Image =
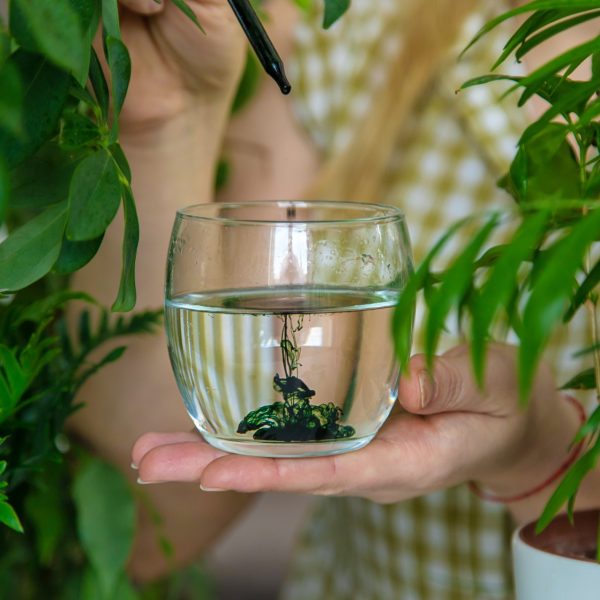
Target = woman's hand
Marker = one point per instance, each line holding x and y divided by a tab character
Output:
175	66
451	432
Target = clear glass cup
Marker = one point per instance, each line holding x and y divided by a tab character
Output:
278	322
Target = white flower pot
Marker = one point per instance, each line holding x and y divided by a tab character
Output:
558	564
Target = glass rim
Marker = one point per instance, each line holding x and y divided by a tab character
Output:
378	213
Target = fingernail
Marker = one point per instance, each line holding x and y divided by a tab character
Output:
209	489
142	482
425	388
134	466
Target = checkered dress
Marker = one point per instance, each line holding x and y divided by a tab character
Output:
447	545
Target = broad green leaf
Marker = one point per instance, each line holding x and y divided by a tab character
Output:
550	294
75	255
455	282
119	63
94	197
182	5
40	79
568	486
126	295
9	517
42	179
11	99
110	18
105	520
501	285
403	319
99	84
53	29
77	131
586	380
30	251
584	291
248	83
334	9
89	16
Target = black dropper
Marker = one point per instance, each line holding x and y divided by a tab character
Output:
263	47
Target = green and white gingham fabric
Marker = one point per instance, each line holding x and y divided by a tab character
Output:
449	545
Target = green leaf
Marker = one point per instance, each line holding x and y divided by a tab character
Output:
126	295
403	319
105	520
303	5
4	190
563	8
77	131
47	511
40	79
550	294
121	161
75	255
4	43
110	18
16	378
545	167
43	179
11	99
94	197
9	517
99	84
30	251
334	9
51	28
454	283
189	13
568	486
592	425
119	63
41	309
586	380
584	291
549	32
501	285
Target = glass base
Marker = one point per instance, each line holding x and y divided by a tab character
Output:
286	449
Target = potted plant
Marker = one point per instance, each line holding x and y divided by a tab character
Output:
547	269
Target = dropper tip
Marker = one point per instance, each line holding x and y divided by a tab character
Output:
285	88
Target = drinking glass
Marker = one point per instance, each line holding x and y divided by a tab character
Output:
278	322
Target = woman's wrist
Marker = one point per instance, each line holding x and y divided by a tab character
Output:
177	156
547	454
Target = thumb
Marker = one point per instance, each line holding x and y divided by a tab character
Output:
451	387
